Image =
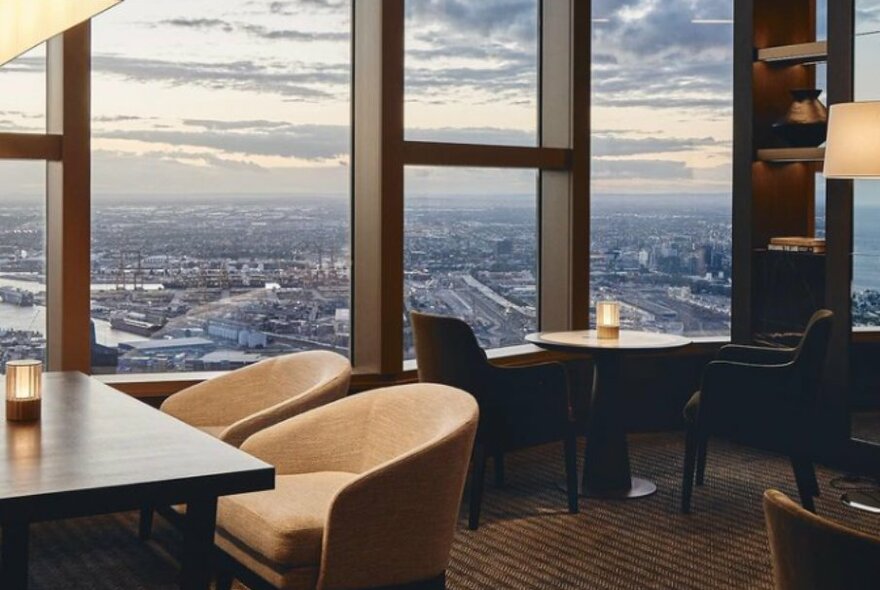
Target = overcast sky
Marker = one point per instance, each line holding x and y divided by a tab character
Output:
252	96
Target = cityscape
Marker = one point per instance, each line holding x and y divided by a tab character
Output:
207	286
215	286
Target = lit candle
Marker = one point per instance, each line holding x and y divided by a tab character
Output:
608	319
23	384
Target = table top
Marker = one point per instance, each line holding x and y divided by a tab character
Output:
588	340
96	450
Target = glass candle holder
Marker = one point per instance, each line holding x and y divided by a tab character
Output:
608	320
23	390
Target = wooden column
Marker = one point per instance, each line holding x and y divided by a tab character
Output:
839	230
565	195
68	185
377	186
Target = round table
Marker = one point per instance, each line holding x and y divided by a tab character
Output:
606	456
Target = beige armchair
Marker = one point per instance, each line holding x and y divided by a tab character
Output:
813	553
237	404
367	494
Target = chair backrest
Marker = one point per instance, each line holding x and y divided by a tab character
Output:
238	394
447	352
408	417
395	524
812	553
811	352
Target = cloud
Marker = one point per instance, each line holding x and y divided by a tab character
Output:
199	23
639	169
477	135
301	82
256	138
604	144
295	35
514	19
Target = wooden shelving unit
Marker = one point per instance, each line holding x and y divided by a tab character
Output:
774	293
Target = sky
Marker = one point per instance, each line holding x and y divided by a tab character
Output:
253	96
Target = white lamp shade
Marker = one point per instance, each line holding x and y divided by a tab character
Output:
24	24
853	146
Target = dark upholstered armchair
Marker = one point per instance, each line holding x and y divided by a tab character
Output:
813	553
519	407
761	397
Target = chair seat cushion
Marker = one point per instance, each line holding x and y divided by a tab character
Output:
692	408
284	526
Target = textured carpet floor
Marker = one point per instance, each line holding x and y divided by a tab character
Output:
527	540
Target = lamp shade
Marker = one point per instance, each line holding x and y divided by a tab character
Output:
853	146
24	24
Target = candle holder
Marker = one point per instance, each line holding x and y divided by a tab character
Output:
608	320
23	395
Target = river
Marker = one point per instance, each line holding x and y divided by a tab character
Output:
34	318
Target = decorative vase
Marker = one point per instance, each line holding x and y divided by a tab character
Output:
806	122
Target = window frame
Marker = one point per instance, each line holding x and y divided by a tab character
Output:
379	156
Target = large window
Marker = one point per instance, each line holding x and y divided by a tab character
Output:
220	182
471	252
22	261
866	259
661	170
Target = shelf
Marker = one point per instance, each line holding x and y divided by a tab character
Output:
802	53
782	155
787	252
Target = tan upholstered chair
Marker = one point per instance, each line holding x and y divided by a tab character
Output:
813	553
367	494
237	404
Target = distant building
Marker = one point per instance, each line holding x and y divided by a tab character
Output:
239	333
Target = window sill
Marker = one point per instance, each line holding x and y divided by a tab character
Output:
158	385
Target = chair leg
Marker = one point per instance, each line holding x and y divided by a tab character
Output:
498	462
702	449
571	475
477	477
805	477
690	460
145	526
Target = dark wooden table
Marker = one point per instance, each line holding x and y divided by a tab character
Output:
97	451
607	471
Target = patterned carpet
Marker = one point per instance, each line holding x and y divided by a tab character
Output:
527	540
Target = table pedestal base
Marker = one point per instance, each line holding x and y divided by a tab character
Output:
639	488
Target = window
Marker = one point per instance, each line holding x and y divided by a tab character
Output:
472	71
471	252
661	169
866	259
22	261
220	182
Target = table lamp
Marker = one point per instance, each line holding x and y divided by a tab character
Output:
24	24
852	150
23	385
608	320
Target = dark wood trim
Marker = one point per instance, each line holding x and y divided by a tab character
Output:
425	153
68	208
839	230
743	150
30	146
